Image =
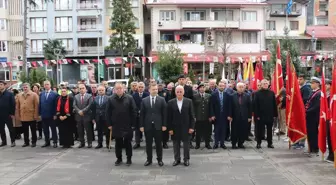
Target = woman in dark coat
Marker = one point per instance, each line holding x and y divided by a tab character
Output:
64	110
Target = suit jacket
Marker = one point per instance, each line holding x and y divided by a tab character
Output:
47	107
265	106
202	107
156	115
305	92
85	107
7	105
180	122
28	105
188	92
138	99
98	110
241	111
215	106
313	107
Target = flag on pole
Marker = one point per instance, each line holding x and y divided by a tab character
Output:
277	80
295	111
322	134
245	74
258	76
239	75
333	112
249	73
289	7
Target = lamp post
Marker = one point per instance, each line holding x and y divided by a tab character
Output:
160	48
131	55
98	43
57	53
313	48
203	57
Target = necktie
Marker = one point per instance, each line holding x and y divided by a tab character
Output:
153	102
140	95
100	100
202	96
47	94
82	99
221	101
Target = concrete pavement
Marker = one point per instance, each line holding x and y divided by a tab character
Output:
49	166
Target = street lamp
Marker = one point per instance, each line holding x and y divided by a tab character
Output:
131	55
313	48
203	57
57	53
98	42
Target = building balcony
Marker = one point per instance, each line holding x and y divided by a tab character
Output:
282	13
210	24
90	50
323	12
36	52
89	28
116	52
184	47
88	6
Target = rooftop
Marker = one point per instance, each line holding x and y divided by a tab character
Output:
323	32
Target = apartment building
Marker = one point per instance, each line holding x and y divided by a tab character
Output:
79	24
280	23
11	36
114	68
202	30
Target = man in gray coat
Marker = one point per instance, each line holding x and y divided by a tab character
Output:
83	115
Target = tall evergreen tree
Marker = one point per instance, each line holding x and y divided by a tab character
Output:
122	24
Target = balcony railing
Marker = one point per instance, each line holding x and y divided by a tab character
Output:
85	6
282	13
90	50
36	52
89	27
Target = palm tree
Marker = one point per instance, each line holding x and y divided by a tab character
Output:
49	49
26	5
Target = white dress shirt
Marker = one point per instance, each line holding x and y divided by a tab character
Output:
179	104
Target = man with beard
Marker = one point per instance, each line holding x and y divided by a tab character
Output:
121	113
240	115
265	112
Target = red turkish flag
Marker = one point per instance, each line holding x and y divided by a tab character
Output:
295	110
277	80
333	111
322	132
258	76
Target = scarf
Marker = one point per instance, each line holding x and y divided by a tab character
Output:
66	106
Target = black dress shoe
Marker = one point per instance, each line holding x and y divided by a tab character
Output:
118	162
165	146
160	163
147	163
25	145
55	145
99	146
234	147
39	138
13	144
128	162
45	145
248	139
241	146
258	146
175	163
33	145
3	144
81	146
136	146
89	145
191	146
250	134
270	146
186	163
224	147
197	147
208	147
215	146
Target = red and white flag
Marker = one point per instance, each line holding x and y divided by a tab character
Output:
277	80
333	111
322	132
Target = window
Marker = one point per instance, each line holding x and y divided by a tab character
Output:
282	8
322	21
88	4
3	46
135	3
4	74
38	25
319	45
167	36
63	4
191	37
323	7
249	16
40	5
250	37
167	15
67	44
63	24
88	24
195	15
294	25
3	24
3	4
270	25
37	46
226	15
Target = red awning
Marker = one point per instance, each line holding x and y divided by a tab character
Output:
321	31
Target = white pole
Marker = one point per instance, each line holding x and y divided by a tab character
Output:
98	50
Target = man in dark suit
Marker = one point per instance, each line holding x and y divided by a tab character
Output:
304	88
83	115
7	107
138	97
99	118
241	115
47	111
201	103
153	115
212	86
188	93
220	108
181	123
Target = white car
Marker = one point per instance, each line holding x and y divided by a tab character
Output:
111	83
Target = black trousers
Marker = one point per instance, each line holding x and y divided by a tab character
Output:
228	131
138	133
9	124
123	142
177	150
49	123
26	125
102	130
239	132
157	136
312	134
260	133
165	137
39	128
330	150
85	126
203	129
